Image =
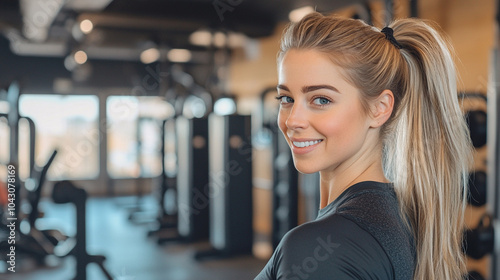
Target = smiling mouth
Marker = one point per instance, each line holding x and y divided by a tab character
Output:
306	143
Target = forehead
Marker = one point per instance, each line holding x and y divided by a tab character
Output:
310	67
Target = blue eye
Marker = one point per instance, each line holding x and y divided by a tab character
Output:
321	101
284	99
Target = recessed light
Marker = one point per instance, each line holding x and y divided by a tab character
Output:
179	55
86	26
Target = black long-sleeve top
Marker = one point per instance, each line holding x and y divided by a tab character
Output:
360	235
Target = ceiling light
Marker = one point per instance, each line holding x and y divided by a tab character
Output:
220	39
150	55
298	14
201	38
179	55
80	57
86	26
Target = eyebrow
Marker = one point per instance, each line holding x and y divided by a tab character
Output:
306	89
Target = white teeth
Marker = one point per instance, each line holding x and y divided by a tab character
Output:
306	143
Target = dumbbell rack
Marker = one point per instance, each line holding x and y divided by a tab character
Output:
479	233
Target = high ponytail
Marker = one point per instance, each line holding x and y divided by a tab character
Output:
429	162
427	152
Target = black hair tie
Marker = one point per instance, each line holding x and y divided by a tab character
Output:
389	36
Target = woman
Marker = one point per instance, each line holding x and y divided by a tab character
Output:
377	114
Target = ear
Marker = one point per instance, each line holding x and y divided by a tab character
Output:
381	108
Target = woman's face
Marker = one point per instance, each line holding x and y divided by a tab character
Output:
320	114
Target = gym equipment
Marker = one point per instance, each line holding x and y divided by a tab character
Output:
476	120
192	104
414	8
35	242
12	97
189	98
47	238
32	133
309	186
230	188
285	179
13	94
192	181
34	186
66	192
285	190
138	213
166	184
474	275
193	177
480	241
477	188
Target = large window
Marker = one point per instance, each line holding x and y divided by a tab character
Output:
68	124
134	135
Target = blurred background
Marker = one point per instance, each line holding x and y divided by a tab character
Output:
140	136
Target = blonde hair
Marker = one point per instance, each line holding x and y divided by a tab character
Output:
427	150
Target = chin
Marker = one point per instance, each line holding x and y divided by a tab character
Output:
305	169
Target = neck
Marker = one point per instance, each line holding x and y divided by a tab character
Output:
334	182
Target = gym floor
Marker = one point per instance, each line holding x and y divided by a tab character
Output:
130	253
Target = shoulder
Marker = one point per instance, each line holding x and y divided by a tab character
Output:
377	212
331	247
374	210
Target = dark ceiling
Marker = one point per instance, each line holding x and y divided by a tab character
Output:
36	36
124	22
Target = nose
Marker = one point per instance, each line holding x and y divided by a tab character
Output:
297	118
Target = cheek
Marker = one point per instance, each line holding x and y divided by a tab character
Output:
282	121
343	126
